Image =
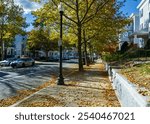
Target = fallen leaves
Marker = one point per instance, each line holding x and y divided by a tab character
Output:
24	93
144	92
90	90
41	101
140	76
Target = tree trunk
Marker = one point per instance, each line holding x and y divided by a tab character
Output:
2	47
90	50
79	48
1	39
85	49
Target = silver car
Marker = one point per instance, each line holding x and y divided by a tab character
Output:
7	61
22	62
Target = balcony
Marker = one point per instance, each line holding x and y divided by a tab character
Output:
145	27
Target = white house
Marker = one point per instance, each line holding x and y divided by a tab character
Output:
123	37
130	34
18	48
20	45
134	30
144	14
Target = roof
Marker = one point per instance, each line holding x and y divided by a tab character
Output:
141	3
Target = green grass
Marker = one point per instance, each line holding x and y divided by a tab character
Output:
145	69
142	69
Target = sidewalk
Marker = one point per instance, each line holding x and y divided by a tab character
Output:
90	88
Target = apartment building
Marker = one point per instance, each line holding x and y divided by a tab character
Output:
20	45
134	30
144	22
138	32
130	34
124	37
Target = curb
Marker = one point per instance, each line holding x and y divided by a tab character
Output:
20	101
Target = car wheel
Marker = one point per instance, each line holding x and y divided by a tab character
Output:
14	66
23	65
32	63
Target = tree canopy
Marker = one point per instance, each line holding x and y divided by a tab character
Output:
101	20
11	22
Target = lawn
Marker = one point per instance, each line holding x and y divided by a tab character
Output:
139	75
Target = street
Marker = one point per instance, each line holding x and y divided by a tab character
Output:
12	80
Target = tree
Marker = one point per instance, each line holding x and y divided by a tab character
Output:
42	39
96	17
78	12
102	31
11	22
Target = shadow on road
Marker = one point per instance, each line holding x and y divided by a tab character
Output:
2	74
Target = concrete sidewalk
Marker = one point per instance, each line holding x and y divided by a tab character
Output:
90	88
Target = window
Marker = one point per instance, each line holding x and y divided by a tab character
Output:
141	26
141	13
149	16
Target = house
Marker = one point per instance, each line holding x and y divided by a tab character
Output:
20	45
66	54
19	48
124	37
9	52
130	34
144	21
134	29
53	55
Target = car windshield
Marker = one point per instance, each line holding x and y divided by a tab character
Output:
24	59
11	59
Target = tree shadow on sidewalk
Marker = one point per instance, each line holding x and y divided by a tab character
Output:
88	87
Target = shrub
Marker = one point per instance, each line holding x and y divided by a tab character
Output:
109	57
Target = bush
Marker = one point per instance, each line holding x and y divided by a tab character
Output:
130	54
109	57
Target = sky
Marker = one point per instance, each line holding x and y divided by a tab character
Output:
28	6
130	7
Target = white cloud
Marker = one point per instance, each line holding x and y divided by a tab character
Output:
27	5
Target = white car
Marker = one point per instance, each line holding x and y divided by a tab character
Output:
4	63
7	62
22	62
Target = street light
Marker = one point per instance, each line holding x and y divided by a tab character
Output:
60	78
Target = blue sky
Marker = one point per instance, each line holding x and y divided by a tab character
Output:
28	6
130	7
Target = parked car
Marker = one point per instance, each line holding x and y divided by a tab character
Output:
7	61
22	62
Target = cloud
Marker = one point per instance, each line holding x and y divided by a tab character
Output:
27	5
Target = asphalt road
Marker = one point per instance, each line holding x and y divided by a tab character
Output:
12	80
